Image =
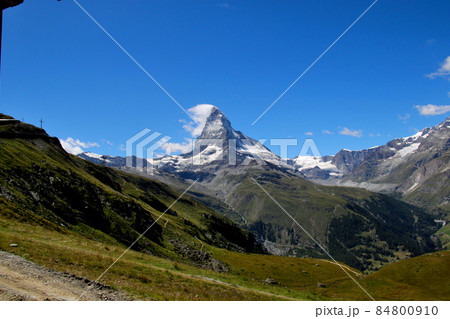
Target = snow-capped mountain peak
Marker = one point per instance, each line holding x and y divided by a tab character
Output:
385	158
217	125
218	143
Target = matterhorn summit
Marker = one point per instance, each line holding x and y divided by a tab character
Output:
218	145
216	125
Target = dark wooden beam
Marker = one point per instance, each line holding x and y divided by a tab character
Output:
9	3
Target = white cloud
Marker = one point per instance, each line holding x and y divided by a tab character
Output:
374	135
443	71
107	142
75	147
431	109
326	132
309	133
178	147
431	41
200	114
404	118
354	133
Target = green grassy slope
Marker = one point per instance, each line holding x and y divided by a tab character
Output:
363	229
39	177
138	274
147	277
78	217
424	277
444	236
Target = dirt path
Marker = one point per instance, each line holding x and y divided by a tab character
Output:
220	282
21	279
24	280
243	288
343	266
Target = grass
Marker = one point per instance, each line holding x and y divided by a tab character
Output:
444	236
40	179
140	275
424	277
77	217
147	277
363	229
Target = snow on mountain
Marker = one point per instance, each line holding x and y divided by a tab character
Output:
356	168
406	164
219	144
393	166
107	160
408	150
306	162
94	155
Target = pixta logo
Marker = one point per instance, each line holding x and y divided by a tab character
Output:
141	148
144	149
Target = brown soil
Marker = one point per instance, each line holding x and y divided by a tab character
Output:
21	279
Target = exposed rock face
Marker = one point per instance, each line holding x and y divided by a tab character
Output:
271	281
416	168
346	160
198	257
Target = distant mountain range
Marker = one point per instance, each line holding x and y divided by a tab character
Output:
359	227
414	168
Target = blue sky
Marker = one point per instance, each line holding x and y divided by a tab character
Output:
238	55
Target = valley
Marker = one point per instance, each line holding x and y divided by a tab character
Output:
381	228
76	217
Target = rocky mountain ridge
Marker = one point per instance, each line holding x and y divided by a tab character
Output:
381	228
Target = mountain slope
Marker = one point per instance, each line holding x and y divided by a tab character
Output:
146	277
416	167
363	229
40	181
358	227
